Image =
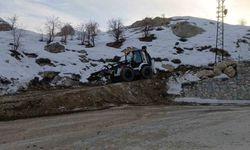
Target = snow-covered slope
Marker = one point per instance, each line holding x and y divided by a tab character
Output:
22	71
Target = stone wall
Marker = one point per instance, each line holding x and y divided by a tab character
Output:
237	88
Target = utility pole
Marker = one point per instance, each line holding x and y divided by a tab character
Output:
221	14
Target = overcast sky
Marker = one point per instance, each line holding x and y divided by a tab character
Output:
33	13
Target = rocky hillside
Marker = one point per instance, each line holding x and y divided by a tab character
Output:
182	41
157	21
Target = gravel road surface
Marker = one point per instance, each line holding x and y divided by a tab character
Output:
134	128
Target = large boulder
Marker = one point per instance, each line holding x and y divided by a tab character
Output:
230	62
186	29
220	67
157	21
55	48
83	58
4	26
205	74
230	72
217	71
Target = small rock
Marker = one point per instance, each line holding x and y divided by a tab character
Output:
183	40
176	61
4	80
202	48
44	62
169	67
83	59
76	77
48	74
31	55
158	59
83	52
179	50
34	82
93	64
190	49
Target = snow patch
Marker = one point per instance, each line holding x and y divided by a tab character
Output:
211	101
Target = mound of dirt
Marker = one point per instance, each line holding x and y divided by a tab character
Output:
42	103
186	30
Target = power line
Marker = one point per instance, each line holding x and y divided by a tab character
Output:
221	13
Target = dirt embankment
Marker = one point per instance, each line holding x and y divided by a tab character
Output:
42	103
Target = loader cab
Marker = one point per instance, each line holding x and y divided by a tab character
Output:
136	63
135	58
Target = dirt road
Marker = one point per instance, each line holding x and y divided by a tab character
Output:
134	128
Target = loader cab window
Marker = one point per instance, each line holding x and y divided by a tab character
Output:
137	59
129	57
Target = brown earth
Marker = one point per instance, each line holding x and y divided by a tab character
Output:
43	103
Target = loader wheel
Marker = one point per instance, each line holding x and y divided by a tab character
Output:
147	72
127	74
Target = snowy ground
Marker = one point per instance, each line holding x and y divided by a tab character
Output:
21	72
